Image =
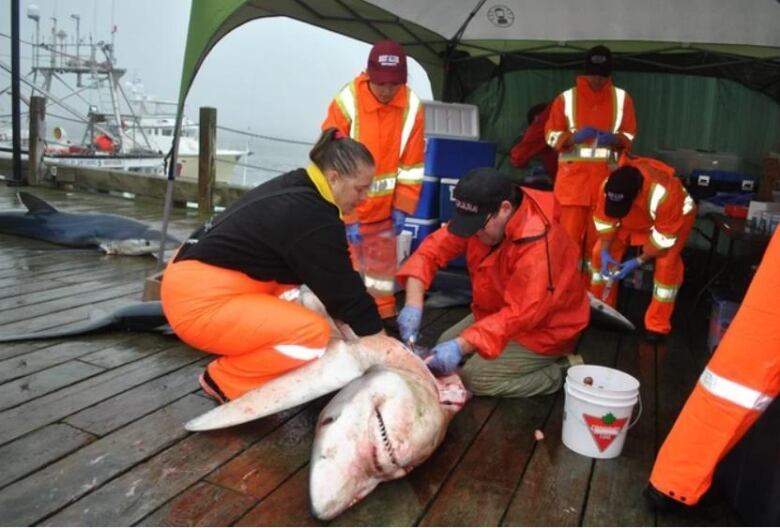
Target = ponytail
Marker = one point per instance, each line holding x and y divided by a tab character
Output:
338	152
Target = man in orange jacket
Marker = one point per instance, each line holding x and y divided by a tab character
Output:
589	125
378	109
738	384
643	203
529	303
533	143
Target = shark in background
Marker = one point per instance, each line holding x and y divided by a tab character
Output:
117	235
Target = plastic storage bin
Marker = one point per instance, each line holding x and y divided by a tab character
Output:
704	183
428	205
420	228
452	158
451	120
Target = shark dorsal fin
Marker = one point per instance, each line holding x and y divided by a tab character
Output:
34	204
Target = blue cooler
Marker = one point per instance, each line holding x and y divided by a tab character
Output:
420	228
428	205
446	198
706	183
452	158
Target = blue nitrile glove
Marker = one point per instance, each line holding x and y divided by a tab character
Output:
353	234
606	261
409	322
585	134
446	357
627	267
399	217
606	138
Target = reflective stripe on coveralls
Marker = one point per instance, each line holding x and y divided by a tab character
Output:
738	384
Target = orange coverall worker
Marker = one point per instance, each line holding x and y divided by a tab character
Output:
393	133
524	290
660	219
226	293
738	384
582	168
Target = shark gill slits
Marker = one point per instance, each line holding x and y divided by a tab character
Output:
385	439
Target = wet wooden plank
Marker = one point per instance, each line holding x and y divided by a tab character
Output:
616	487
36	450
554	488
43	382
42	493
55	406
132	347
123	408
134	495
44	358
203	504
479	489
264	466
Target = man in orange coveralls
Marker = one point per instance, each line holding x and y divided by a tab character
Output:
738	384
529	302
378	109
643	203
589	125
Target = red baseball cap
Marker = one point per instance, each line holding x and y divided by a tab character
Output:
387	63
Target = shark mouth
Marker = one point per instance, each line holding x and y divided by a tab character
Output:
388	446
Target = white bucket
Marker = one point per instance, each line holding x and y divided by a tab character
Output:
597	416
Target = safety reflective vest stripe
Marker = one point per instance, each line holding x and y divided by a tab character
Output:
618	104
660	240
299	352
602	226
382	185
734	392
664	292
379	284
348	104
657	196
411	175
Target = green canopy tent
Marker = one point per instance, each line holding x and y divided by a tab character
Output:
703	73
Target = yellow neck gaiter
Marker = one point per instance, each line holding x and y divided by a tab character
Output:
318	179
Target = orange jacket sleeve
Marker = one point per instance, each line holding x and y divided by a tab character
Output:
627	128
434	253
336	118
556	130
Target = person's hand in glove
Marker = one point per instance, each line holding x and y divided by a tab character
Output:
446	357
585	134
409	322
607	138
353	234
398	220
627	267
606	262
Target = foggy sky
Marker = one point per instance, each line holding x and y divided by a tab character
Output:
275	76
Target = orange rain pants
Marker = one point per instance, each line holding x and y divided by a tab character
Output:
667	278
577	221
376	261
256	335
738	384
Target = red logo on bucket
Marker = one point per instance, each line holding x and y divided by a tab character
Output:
604	429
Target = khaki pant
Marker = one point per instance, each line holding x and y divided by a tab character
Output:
516	373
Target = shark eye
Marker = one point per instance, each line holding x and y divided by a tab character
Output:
327	420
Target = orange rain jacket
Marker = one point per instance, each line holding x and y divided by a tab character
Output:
393	133
582	168
657	215
527	289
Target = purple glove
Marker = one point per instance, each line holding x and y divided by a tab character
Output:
627	267
409	322
353	234
606	261
398	220
446	357
606	138
585	134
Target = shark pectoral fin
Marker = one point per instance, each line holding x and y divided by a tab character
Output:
34	204
335	369
604	315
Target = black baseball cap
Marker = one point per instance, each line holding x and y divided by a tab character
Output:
620	190
477	195
598	61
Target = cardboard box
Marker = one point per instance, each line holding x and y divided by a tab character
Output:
152	287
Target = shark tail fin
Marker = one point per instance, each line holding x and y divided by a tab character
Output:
35	204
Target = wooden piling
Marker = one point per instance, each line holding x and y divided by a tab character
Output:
36	145
207	168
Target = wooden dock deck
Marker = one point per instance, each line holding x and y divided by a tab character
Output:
92	426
